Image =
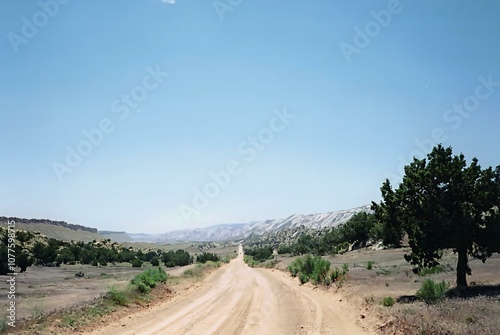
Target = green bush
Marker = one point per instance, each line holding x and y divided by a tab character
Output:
295	267
335	274
155	261
431	291
434	270
143	288
176	258
117	297
207	256
3	325
260	254
303	278
250	261
311	268
148	279
136	263
320	272
388	302
369	265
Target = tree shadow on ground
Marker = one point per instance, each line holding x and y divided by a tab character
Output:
471	292
476	291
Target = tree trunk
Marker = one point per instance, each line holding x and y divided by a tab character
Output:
462	269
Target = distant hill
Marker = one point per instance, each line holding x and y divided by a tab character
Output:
297	223
59	230
288	227
117	236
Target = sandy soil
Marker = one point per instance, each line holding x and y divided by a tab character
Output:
44	289
237	299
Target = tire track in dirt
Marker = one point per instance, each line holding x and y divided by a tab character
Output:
237	299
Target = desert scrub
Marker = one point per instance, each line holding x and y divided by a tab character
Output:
317	270
388	302
431	291
116	297
435	270
369	265
198	271
147	280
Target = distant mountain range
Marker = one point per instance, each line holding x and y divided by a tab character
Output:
239	231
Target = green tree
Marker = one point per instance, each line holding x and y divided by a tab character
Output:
65	256
87	256
23	261
155	261
444	203
4	266
358	228
136	263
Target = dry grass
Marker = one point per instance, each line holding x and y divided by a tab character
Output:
473	316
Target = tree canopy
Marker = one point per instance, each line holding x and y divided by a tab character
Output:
443	203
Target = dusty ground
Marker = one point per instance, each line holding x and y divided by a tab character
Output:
44	289
392	276
236	299
240	300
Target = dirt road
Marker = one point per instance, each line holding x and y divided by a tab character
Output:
237	299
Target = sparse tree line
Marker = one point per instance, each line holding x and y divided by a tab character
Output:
259	254
358	230
32	249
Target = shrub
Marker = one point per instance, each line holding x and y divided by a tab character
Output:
295	267
195	272
207	256
250	261
117	297
177	258
431	291
311	268
335	274
388	302
260	254
434	270
320	271
148	279
143	288
3	325
369	265
136	263
303	278
155	261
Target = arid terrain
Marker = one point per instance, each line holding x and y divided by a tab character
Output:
238	299
44	289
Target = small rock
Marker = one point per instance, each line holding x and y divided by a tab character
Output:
362	316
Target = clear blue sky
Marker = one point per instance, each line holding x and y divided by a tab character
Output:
355	117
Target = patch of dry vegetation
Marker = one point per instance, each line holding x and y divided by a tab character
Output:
473	316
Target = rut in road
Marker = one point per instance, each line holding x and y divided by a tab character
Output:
240	300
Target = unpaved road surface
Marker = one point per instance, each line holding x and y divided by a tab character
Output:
237	299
